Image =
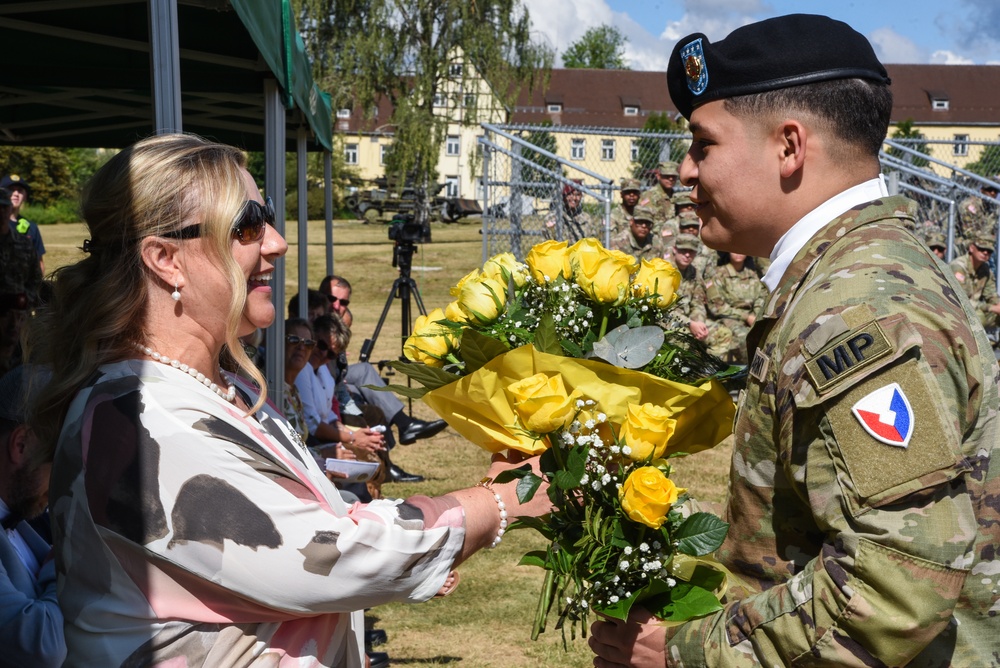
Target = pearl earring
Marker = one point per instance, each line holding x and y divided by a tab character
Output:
176	294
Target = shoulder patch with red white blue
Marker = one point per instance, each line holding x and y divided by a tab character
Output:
886	415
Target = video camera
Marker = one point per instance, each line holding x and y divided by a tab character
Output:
404	229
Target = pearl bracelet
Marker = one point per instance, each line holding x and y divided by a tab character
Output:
487	484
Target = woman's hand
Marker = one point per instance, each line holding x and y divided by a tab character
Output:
539	504
366	441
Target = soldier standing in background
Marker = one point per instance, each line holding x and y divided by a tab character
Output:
977	215
621	215
638	239
862	499
659	196
19	191
733	294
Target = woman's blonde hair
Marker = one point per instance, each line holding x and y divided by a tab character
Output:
99	305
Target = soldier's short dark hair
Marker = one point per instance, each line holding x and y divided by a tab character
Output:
857	110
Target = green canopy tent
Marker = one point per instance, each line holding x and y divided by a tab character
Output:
105	73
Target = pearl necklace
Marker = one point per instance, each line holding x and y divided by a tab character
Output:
229	395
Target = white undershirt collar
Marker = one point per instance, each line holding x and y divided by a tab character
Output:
792	241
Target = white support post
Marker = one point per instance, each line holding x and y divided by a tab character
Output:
274	186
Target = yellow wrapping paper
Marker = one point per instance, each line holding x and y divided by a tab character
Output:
478	407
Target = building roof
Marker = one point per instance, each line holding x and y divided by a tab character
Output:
972	93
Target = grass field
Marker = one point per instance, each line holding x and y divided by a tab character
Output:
486	622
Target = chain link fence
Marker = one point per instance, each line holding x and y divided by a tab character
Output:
527	168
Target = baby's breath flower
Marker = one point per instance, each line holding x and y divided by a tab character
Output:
589	424
644	547
623	565
596	485
579	403
601	417
627	551
626	450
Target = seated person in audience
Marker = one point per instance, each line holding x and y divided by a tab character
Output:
691	310
621	214
362	374
317	306
31	622
734	294
937	243
575	222
973	271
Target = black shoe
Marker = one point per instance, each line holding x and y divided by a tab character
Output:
375	637
397	474
420	429
378	659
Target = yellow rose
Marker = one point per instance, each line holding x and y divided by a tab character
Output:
430	341
647	495
455	313
548	261
542	403
657	276
483	299
647	430
495	265
602	274
457	289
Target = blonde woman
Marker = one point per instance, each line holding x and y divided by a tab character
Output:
191	524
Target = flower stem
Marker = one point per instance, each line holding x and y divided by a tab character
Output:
604	321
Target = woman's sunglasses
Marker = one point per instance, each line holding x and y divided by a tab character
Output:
293	340
248	227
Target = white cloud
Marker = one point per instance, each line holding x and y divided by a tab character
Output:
944	57
563	22
891	47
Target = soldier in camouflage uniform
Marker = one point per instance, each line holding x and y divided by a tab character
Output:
692	302
683	207
734	294
978	215
659	196
973	273
707	259
20	271
864	498
621	215
938	244
576	223
638	239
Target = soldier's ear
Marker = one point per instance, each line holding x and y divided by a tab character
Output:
791	142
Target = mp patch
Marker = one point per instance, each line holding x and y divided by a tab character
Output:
848	355
886	415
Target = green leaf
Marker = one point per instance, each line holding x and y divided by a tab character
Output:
513	474
700	534
527	486
428	376
546	339
536	558
402	390
690	601
570	476
478	349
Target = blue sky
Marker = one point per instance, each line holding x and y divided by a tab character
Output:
902	31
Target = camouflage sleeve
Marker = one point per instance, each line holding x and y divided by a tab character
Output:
699	301
717	299
893	522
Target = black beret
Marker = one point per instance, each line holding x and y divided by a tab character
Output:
776	53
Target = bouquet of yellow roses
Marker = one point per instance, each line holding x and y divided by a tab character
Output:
566	356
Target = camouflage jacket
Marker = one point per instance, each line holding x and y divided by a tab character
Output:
626	242
733	295
656	198
690	298
19	268
980	287
864	496
977	216
620	220
574	227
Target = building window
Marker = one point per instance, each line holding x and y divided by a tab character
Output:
555	108
382	151
351	154
939	104
451	186
470	100
455	69
631	111
961	146
452	145
607	149
577	149
343	113
634	152
440	100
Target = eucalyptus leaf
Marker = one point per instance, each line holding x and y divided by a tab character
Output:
428	376
700	534
634	347
478	349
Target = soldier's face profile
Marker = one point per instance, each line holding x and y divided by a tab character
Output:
732	168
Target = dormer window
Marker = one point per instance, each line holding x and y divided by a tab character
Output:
554	108
631	111
343	113
939	104
455	70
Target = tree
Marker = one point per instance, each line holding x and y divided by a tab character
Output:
418	54
905	131
47	170
988	163
539	182
600	48
653	149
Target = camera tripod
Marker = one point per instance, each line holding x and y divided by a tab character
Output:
403	288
